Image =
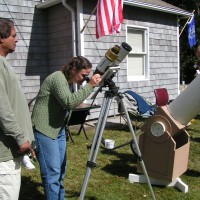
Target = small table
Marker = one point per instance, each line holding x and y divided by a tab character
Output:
78	116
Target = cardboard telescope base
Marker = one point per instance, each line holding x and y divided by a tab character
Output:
164	145
135	178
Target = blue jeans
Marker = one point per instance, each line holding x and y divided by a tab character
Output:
51	154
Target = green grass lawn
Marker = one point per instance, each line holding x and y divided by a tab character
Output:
109	180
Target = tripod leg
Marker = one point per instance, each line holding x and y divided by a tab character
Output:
96	143
137	148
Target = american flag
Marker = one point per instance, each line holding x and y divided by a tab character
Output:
109	17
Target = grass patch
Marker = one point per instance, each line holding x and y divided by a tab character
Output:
109	180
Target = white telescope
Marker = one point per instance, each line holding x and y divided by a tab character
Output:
112	57
187	105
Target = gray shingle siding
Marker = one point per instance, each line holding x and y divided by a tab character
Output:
59	35
27	61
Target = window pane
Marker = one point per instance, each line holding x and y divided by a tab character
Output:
136	39
137	68
135	65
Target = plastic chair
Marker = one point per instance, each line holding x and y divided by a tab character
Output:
138	108
162	97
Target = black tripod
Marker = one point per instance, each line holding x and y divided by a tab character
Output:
109	95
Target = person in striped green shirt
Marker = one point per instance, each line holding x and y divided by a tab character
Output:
52	104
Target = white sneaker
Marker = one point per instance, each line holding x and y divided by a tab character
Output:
27	162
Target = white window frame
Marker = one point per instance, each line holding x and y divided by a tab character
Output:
145	75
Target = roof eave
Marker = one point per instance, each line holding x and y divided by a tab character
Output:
47	4
180	13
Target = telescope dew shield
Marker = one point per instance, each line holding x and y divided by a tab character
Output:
187	105
107	61
124	51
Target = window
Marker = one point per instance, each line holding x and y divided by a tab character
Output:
137	38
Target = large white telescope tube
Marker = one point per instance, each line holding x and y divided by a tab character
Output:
187	105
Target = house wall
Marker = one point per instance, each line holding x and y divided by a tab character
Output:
59	36
163	51
30	60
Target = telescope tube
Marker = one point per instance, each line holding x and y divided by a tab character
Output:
110	56
187	105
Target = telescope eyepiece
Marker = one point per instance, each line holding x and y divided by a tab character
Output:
86	77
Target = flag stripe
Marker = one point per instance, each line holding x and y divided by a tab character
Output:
105	17
109	17
116	22
108	13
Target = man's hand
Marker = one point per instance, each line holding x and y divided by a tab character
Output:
26	147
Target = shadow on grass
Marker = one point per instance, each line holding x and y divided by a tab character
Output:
195	139
121	167
197	117
29	190
192	173
116	126
123	126
72	193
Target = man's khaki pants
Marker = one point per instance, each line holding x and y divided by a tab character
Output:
10	179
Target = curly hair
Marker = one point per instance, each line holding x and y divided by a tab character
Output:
78	62
5	27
